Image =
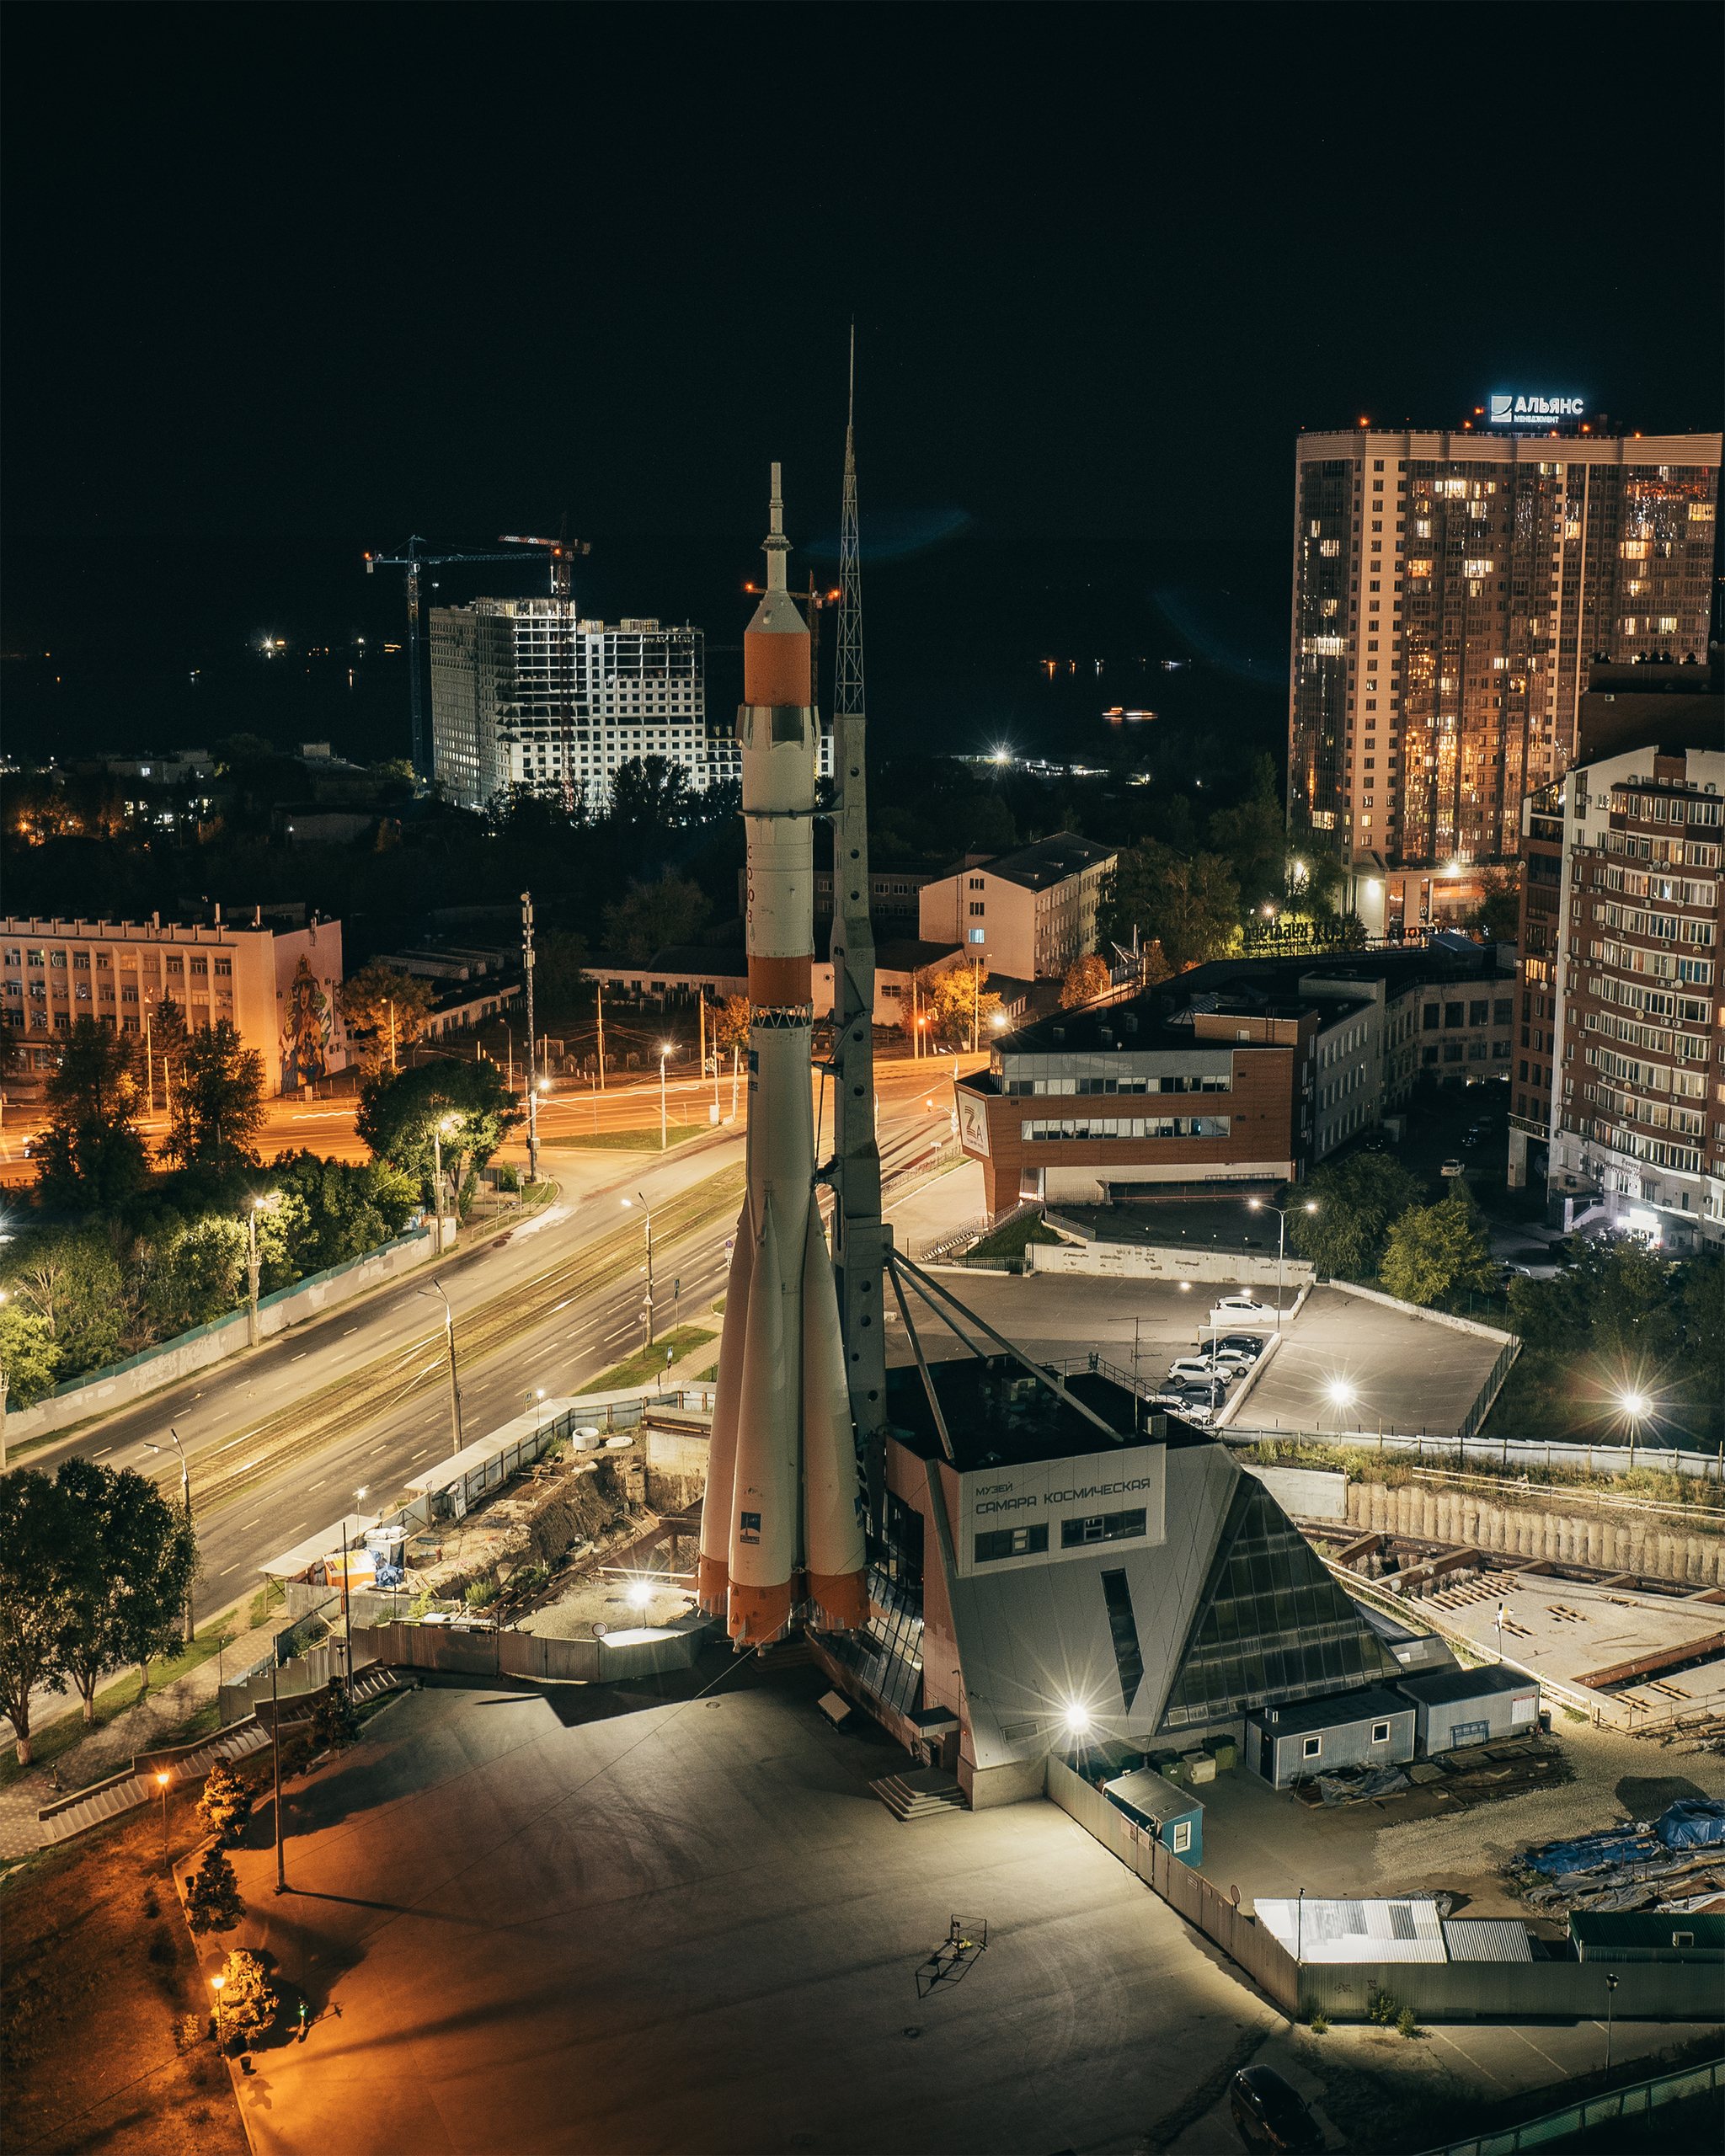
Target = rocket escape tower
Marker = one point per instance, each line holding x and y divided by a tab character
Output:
781	1526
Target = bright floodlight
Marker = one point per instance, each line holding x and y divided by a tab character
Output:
627	1202
1254	1205
640	1594
1340	1391
1636	1403
1078	1717
1312	1205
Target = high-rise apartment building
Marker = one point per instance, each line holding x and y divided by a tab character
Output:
503	671
1450	589
1621	1040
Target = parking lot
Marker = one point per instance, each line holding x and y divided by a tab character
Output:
1414	1373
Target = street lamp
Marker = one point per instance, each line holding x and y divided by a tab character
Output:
3	1405
162	1784
253	1264
347	1616
664	1050
527	963
216	1984
628	1204
185	1498
439	1130
455	1398
1340	1395
1259	1205
1635	1406
1610	1999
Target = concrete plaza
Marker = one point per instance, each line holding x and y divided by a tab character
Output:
1404	1373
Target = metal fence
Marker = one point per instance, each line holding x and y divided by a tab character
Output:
1501	1453
1634	2102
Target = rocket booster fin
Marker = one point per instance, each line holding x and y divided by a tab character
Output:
763	1521
716	1510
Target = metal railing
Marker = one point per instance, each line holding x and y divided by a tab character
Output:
1635	2101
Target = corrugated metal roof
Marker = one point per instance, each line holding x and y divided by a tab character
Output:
1317	1930
474	1457
1341	1710
317	1547
1487	1939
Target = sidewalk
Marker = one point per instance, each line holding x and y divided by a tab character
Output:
106	1749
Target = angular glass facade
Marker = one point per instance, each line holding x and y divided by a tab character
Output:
888	1657
1273	1626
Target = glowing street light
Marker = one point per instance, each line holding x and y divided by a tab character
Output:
1259	1205
664	1050
1635	1406
162	1784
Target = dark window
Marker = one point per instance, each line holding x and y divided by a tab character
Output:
786	723
1381	1733
1101	1526
1129	1659
1429	1017
1452	1014
1502	1010
1477	1013
749	1527
1429	1055
1011	1542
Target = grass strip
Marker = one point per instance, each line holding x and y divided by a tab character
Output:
652	1362
636	1141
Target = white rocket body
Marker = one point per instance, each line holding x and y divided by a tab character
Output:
782	1512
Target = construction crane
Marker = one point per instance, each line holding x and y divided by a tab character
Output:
413	562
816	600
564	553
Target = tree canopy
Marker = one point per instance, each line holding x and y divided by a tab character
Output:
1434	1249
387	1006
1086	979
1357	1200
218	1106
1191	906
652	916
397	1116
93	1156
132	1556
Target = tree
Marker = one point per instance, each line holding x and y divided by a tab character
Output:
1434	1249
213	1903
952	1001
238	749
730	1024
41	1568
334	1719
225	1804
323	1213
655	914
1497	916
218	1105
71	1279
248	2005
170	1038
27	1354
1191	907
397	1117
1357	1200
1252	838
559	956
151	1548
649	796
377	996
93	1156
1086	979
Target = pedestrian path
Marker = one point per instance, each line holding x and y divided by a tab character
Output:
117	1796
106	1749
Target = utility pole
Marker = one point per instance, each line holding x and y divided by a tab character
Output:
599	1006
860	1240
252	1271
532	1065
455	1398
185	1498
276	1737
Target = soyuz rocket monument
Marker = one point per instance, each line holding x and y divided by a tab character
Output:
781	1525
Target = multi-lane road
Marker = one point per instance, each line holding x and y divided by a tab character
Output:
259	1487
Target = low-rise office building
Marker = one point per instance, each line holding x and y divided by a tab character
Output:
1030	914
1288	1059
279	988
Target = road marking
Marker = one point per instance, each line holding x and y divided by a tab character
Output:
301	1357
418	1455
249	1525
351	1330
104	1451
223	1575
310	1486
375	1449
621	1332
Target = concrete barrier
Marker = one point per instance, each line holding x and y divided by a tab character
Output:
100	1392
1160	1261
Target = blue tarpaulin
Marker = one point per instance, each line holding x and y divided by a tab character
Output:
1590	1851
1692	1822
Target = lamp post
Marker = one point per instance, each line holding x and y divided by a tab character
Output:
347	1614
185	1498
3	1405
665	1049
1340	1395
162	1784
455	1398
438	1129
1635	1406
1259	1205
1611	1997
531	1046
628	1205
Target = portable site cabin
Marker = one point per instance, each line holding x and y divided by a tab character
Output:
1372	1728
1455	1707
1647	1935
1170	1815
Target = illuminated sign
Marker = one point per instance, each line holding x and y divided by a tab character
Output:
1506	409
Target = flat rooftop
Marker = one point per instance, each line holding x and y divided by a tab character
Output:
998	1416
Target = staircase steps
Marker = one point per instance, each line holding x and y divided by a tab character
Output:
920	1793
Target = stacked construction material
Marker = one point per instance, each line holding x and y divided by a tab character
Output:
1676	1862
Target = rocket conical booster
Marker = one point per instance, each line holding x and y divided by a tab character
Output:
832	1526
714	1579
764	1523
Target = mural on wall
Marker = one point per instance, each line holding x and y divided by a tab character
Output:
307	1029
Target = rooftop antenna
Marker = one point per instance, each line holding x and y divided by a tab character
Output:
860	1242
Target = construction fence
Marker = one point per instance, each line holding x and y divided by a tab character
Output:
1640	2098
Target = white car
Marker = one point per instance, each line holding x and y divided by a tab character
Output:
1194	1368
1240	1310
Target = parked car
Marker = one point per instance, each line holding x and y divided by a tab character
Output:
1250	1345
1269	2113
1194	1367
1452	1168
1235	1309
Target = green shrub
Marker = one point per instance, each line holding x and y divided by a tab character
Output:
333	1720
1383	2010
1406	2023
248	2006
482	1593
1319	2024
212	1900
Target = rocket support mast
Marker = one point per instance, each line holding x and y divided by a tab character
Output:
860	1240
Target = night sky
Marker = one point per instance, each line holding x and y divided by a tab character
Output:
283	283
